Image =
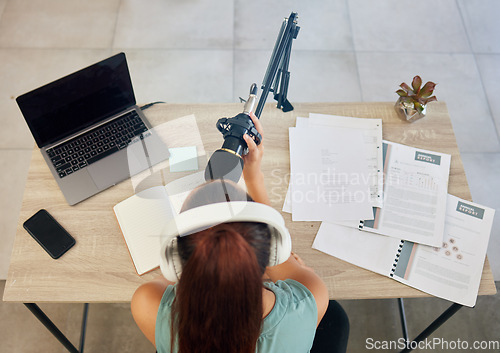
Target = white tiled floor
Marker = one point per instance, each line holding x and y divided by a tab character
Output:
181	75
23	69
58	24
481	22
324	25
396	26
489	69
456	76
201	24
482	185
206	51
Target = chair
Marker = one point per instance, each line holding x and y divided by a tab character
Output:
333	331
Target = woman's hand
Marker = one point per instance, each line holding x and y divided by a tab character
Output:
301	262
254	178
253	158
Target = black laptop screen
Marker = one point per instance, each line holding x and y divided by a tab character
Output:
77	101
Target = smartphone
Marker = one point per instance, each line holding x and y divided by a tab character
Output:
49	234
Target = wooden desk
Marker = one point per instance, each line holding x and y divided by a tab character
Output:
99	268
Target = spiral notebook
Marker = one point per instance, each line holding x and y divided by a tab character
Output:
452	271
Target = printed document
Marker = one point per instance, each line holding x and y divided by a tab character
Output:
452	271
415	189
372	138
329	176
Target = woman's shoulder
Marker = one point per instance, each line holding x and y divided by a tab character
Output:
293	302
292	321
167	299
296	290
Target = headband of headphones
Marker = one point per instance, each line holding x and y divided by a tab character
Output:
204	217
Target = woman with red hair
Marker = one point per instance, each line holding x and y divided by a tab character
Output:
227	300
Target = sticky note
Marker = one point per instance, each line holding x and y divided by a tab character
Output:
183	159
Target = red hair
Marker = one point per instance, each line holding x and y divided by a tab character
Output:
218	303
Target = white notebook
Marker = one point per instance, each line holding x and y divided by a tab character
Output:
143	216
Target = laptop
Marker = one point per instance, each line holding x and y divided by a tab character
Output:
89	129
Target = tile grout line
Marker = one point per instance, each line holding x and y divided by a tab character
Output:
3	10
354	51
112	44
110	48
369	51
464	26
481	152
234	54
15	149
474	55
246	49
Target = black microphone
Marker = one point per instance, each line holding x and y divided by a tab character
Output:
227	162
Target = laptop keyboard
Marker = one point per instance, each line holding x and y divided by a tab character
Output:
98	143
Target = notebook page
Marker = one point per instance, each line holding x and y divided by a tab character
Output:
142	218
371	251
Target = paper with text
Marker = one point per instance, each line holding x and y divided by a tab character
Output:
415	189
452	271
329	176
372	138
372	131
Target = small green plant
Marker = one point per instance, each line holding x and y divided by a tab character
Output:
417	95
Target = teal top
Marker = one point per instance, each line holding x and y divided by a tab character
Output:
289	327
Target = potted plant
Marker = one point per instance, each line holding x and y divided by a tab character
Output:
412	102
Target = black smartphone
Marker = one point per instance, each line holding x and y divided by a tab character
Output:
49	234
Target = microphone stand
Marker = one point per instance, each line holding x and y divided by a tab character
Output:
227	162
277	75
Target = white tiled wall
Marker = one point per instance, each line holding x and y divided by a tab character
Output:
211	51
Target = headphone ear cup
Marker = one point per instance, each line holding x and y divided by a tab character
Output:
170	261
281	247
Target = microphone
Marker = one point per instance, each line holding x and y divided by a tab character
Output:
227	162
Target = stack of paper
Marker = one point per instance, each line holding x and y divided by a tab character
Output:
336	168
329	164
385	206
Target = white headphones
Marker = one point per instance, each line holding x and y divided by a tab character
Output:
204	217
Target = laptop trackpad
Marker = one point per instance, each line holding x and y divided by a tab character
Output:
119	166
